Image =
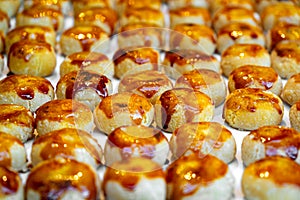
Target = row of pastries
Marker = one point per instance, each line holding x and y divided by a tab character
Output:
165	86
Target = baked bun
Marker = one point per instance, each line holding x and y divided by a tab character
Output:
272	178
294	116
280	12
13	153
183	3
63	5
133	60
65	85
31	58
105	18
290	90
216	5
41	15
197	177
78	5
122	109
150	84
83	38
25	90
64	113
203	138
69	143
10	7
230	14
250	108
181	105
190	15
128	142
139	178
16	120
239	33
269	141
239	55
62	179
11	185
4	22
30	32
285	58
193	36
178	62
253	76
141	34
204	80
123	5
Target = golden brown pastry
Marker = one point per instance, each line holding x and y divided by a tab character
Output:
31	58
4	22
204	80
197	177
25	90
272	178
123	5
10	7
62	179
11	184
139	178
175	4
294	116
64	113
63	5
65	85
193	36
290	90
181	105
150	84
216	5
254	76
122	109
83	38
78	5
178	62
261	4
127	142
16	120
250	108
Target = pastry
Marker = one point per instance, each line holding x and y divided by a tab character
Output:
10	7
175	4
290	90
181	105
4	22
294	116
62	5
216	5
123	5
11	184
78	5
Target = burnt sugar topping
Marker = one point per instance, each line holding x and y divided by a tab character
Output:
10	182
236	30
86	58
7	141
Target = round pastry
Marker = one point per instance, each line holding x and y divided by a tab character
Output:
41	15
282	32
4	22
123	5
128	142
190	15
178	62
183	3
181	105
62	179
10	184
69	143
254	76
250	108
105	18
216	5
83	38
31	58
239	33
30	32
285	58
142	15
86	60
230	14
203	138
122	109
290	93
78	5
294	116
269	141
25	90
62	5
150	84
239	55
194	177
10	7
280	12
272	178
207	81
64	113
136	178
132	60
13	153
141	34
193	36
65	85
16	120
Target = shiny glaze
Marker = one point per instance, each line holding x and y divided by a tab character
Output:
189	173
136	105
129	172
57	3
284	32
247	75
245	50
10	182
277	138
16	114
86	58
191	136
140	4
288	49
278	10
146	13
7	142
191	11
69	80
235	12
51	179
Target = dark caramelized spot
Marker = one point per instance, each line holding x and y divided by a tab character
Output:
69	81
7	141
16	114
288	49
86	58
238	29
284	32
9	182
